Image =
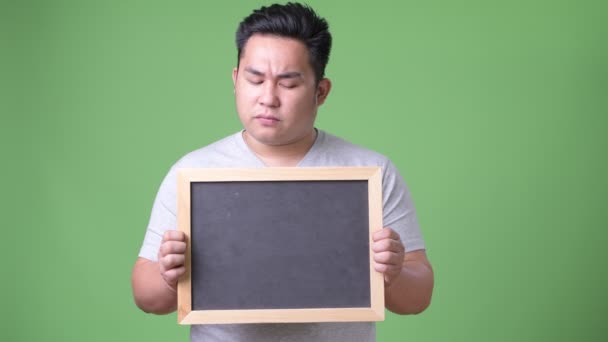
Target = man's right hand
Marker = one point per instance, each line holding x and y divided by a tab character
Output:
172	257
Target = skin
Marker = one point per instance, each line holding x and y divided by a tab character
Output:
277	98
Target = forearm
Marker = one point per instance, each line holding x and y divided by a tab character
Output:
150	291
411	291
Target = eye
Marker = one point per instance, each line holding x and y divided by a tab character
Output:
255	82
288	85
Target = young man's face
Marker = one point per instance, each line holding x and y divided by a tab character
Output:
276	93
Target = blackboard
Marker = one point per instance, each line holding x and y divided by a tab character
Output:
279	245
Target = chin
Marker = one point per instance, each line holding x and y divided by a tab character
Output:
266	139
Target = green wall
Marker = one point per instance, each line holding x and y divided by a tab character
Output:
495	113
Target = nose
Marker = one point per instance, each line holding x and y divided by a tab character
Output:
269	97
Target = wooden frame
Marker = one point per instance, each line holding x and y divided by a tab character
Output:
186	315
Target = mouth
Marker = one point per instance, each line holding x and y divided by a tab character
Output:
267	117
267	120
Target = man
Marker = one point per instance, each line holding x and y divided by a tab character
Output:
279	84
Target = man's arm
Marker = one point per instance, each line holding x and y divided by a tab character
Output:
410	292
408	277
155	283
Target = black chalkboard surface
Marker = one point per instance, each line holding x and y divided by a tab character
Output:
279	245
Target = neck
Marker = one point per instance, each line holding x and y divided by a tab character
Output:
281	155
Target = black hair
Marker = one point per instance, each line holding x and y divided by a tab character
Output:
292	20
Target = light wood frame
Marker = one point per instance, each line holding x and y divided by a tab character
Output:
185	314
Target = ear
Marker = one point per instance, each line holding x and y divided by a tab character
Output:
323	90
235	72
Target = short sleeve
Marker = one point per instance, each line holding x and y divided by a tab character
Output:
399	211
162	217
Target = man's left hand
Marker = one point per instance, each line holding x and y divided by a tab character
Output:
389	252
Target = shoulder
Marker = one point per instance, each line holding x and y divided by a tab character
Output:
217	154
336	151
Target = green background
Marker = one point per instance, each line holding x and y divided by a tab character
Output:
495	113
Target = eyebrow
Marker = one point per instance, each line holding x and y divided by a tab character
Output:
289	74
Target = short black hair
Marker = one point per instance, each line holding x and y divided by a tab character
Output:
292	20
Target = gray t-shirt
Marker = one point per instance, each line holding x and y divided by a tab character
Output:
327	150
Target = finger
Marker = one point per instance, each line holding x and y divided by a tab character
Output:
390	270
388	245
389	258
173	274
174	235
172	247
386	233
170	261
